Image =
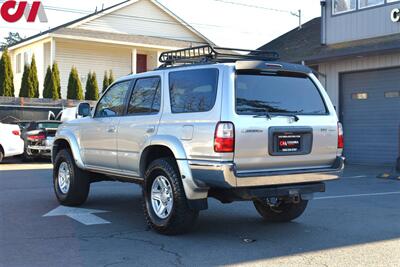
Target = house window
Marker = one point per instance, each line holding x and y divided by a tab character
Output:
369	3
341	6
18	63
26	58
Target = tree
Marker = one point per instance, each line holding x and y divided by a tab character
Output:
92	89
50	85
47	85
12	38
6	75
111	78
33	79
57	78
74	85
25	86
106	81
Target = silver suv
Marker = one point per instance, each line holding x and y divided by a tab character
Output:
208	123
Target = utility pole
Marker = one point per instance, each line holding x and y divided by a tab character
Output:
298	15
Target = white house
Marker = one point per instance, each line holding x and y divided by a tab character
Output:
125	38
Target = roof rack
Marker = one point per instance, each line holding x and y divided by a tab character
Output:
211	54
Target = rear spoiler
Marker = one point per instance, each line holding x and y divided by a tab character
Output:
258	65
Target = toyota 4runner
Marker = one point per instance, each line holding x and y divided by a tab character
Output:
210	122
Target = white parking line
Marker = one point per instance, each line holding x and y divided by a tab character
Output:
359	195
354	177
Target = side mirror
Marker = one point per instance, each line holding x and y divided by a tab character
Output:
84	110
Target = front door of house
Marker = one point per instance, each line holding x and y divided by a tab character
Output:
141	65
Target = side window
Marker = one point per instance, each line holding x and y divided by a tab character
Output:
112	103
146	96
193	90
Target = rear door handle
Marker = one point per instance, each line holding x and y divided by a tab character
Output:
112	129
151	130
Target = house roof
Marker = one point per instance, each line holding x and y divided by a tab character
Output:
62	28
305	45
122	38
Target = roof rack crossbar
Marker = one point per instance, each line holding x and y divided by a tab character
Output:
210	54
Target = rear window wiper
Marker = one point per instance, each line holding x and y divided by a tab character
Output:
269	115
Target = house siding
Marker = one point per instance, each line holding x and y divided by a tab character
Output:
331	71
40	52
360	24
131	20
91	57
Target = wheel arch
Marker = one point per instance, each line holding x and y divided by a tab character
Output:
169	146
68	142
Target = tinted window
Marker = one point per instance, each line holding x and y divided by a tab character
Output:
146	96
193	90
112	103
279	94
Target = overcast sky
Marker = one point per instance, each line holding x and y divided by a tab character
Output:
233	23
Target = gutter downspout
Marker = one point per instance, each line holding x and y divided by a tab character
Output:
323	22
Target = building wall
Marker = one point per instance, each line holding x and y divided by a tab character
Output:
331	70
41	54
86	56
142	18
360	24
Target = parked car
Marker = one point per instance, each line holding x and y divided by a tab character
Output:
38	139
208	123
69	114
23	124
11	143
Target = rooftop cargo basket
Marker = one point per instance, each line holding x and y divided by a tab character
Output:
210	54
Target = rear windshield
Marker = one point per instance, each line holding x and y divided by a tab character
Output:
48	125
294	94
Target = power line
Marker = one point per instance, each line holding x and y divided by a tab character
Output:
254	6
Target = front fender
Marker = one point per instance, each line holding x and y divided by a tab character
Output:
68	136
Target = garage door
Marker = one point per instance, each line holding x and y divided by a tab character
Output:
370	112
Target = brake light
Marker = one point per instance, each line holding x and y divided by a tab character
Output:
340	136
36	137
224	139
16	132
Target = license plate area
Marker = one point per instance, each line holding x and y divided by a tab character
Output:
290	141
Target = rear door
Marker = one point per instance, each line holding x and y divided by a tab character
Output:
282	122
140	122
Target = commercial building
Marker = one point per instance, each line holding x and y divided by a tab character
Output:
354	48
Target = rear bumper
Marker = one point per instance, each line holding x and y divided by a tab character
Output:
224	175
44	151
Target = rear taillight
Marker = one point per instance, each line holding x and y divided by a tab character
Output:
16	132
36	137
224	139
340	136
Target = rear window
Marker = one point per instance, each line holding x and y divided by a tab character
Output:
297	94
193	90
48	125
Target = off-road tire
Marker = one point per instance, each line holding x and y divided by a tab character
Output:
182	218
1	155
79	181
285	212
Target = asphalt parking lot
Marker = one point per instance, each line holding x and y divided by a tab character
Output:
355	223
